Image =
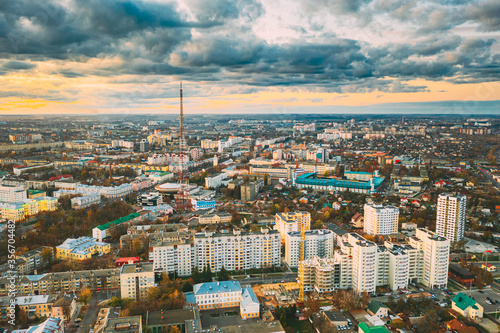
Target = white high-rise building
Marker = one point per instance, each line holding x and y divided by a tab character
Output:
363	255
136	279
380	220
363	265
318	243
434	258
12	193
450	219
237	250
289	222
173	253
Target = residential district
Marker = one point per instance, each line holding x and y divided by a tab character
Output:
296	223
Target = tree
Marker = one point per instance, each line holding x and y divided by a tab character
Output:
187	287
365	299
207	274
312	306
223	274
85	296
47	256
174	329
22	318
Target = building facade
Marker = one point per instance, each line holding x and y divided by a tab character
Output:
450	219
380	220
136	279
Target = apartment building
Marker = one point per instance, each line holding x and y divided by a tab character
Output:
81	248
173	254
237	250
136	279
319	242
63	282
290	222
450	219
12	193
85	201
363	265
18	211
35	306
320	274
216	180
435	255
380	220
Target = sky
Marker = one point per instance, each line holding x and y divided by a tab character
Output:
249	56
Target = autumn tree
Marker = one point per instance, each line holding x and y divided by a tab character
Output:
85	296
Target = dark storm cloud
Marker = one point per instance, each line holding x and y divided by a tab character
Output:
213	41
17	65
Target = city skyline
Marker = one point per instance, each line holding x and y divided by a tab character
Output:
380	56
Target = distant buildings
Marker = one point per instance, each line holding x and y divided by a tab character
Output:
214	218
450	220
380	220
216	180
313	181
250	190
135	280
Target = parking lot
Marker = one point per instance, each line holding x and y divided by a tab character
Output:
481	296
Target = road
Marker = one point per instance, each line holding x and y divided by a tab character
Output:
88	322
288	277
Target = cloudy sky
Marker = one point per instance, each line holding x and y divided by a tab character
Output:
245	56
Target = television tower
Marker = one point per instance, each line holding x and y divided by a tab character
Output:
183	201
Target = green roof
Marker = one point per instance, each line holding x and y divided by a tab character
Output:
35	191
463	301
374	306
375	329
118	221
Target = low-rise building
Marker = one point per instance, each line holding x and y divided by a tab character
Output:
81	248
466	306
376	308
214	218
63	282
226	294
102	231
124	325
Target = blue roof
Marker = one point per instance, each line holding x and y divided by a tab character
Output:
248	297
312	179
216	287
190	298
35	277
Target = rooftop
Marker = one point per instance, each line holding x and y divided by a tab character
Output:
216	287
137	268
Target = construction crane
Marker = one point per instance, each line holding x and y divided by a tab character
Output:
300	300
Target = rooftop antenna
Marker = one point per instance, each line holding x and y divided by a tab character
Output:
183	201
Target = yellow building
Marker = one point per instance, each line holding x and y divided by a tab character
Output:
81	248
46	204
12	211
30	208
33	306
